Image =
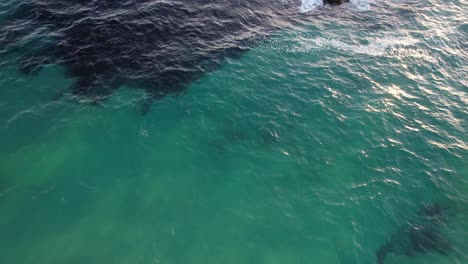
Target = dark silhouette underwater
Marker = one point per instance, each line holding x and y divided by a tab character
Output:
421	234
158	46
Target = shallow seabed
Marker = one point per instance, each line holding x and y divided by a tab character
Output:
315	146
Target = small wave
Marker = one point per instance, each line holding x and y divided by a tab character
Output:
376	47
383	47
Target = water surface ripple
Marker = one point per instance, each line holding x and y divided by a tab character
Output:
233	132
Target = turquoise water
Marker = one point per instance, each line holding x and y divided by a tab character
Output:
313	147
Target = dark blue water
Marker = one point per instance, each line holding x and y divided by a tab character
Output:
233	132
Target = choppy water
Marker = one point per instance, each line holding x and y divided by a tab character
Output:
317	145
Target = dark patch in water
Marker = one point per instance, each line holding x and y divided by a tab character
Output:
159	46
421	235
335	2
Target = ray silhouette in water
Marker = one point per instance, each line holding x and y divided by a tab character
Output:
158	46
421	235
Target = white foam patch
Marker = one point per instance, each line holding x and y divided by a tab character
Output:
385	46
376	46
309	5
361	5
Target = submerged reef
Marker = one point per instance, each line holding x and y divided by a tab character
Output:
422	234
157	46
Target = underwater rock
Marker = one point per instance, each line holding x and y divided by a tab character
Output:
158	46
421	235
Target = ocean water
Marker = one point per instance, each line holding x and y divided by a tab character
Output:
318	145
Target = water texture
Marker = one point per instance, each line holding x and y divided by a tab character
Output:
304	134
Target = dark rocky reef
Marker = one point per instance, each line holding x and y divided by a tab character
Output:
158	46
335	2
422	234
